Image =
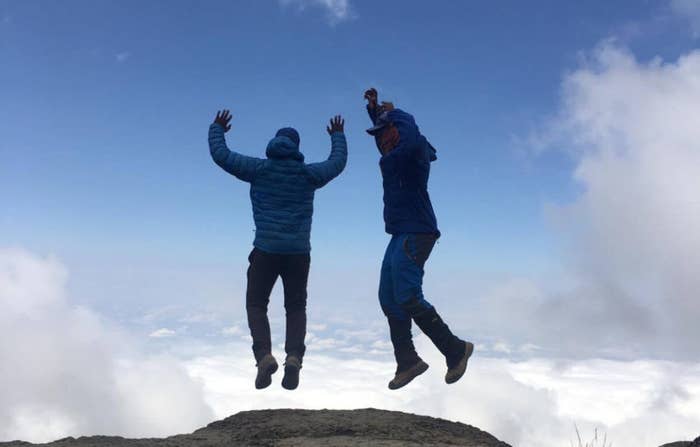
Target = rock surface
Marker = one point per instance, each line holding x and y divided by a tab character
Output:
308	428
695	443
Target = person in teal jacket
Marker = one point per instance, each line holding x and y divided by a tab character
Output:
282	191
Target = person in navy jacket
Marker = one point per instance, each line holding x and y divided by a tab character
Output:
409	218
282	190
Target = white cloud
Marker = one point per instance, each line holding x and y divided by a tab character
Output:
336	10
323	343
318	326
632	237
232	330
123	56
162	333
201	317
383	345
67	362
502	347
690	10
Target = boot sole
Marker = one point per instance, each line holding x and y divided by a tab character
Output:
458	371
264	378
290	381
415	371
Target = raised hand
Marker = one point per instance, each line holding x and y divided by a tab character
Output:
371	97
337	125
223	118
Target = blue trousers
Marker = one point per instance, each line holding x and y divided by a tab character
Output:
401	282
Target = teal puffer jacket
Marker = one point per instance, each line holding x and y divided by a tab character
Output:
282	187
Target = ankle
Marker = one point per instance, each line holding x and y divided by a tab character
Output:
456	353
293	360
407	364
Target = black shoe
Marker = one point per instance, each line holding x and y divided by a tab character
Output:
267	366
292	365
403	378
457	371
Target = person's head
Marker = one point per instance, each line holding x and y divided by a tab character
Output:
388	138
290	133
384	131
285	145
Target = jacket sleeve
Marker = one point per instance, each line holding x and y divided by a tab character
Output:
241	166
372	112
325	171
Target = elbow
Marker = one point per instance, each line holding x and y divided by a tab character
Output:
343	163
212	154
216	155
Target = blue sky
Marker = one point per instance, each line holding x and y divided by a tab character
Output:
547	236
106	106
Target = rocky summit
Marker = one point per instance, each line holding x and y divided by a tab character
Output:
695	443
308	428
314	428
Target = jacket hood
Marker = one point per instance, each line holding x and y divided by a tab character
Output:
282	147
409	134
290	133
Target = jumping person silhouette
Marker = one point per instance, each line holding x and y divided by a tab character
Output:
282	190
408	214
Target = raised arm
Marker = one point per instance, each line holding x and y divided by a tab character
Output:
241	166
385	135
323	172
372	109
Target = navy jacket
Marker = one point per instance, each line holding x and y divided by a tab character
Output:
281	187
405	172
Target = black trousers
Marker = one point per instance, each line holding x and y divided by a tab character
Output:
262	274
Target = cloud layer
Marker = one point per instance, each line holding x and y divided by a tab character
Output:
73	374
532	403
630	241
64	371
634	232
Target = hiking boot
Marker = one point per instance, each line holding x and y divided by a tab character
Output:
292	365
457	371
403	378
455	350
267	366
